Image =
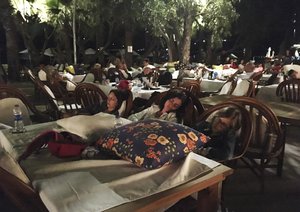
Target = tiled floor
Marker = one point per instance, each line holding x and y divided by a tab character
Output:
242	190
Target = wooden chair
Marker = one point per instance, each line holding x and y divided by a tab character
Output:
193	86
56	107
227	88
255	77
193	109
266	148
7	91
243	139
89	77
99	74
90	97
128	106
243	134
289	90
21	195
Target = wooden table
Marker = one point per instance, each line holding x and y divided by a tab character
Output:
285	111
208	185
208	188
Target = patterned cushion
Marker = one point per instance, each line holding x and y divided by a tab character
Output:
152	143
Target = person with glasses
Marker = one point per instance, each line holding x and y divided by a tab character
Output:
170	108
221	130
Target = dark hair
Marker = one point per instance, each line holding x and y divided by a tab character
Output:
290	72
175	93
121	96
146	60
232	113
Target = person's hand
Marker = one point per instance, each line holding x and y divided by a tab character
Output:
203	151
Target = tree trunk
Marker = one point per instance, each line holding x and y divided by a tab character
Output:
186	41
172	49
11	41
209	56
128	45
100	43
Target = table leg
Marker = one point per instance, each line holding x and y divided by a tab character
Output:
209	199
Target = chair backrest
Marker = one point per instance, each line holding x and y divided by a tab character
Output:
19	193
7	91
193	86
47	96
256	76
165	78
30	74
99	74
90	97
243	134
62	98
128	106
267	136
243	88
193	108
289	90
42	75
89	77
228	87
7	117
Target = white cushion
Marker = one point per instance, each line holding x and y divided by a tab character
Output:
90	77
90	127
226	88
241	88
122	108
42	75
70	86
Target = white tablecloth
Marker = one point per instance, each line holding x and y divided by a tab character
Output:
145	94
211	85
268	93
97	185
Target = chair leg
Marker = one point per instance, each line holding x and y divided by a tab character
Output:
281	156
262	176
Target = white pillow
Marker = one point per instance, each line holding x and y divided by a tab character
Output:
122	108
90	127
241	88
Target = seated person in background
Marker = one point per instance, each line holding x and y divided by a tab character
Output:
124	70
292	74
170	108
99	74
124	85
222	132
164	78
249	67
145	77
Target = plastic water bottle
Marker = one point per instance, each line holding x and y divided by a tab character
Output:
18	120
117	80
118	121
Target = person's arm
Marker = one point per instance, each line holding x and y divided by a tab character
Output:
141	115
146	82
169	117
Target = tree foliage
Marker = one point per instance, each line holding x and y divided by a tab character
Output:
176	20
